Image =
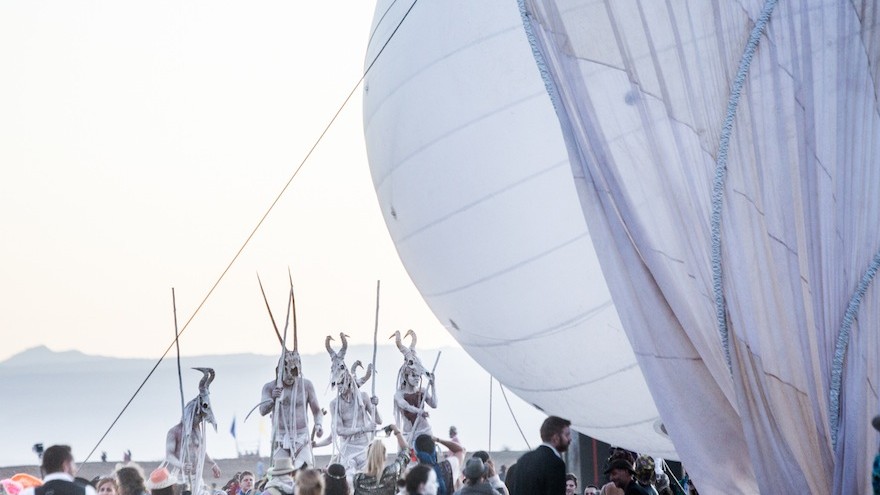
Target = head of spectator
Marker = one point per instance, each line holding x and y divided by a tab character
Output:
131	480
309	482
571	484
58	459
246	481
555	432
591	490
282	467
107	486
426	451
620	472
335	482
644	468
375	458
474	471
421	480
160	482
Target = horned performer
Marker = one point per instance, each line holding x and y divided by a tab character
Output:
185	447
354	413
411	398
292	437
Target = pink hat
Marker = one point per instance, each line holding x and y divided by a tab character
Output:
10	487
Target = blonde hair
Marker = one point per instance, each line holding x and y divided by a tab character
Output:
309	482
375	459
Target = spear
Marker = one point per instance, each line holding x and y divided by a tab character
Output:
375	337
279	377
274	325
375	345
422	401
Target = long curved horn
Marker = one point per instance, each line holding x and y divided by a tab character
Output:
329	349
344	348
412	343
207	378
397	340
366	377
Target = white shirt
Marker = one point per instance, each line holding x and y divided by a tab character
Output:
90	490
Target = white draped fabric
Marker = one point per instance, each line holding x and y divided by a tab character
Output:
473	180
642	90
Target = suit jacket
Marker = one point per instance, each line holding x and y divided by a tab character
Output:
539	472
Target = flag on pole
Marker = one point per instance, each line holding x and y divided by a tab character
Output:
232	428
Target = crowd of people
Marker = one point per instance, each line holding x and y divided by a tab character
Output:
430	466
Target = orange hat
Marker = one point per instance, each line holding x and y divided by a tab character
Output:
159	478
27	480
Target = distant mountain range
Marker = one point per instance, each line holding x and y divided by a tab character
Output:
74	398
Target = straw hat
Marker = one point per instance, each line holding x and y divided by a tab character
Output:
159	478
281	466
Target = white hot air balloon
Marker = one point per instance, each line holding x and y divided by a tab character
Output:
476	189
715	175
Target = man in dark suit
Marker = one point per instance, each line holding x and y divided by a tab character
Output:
542	471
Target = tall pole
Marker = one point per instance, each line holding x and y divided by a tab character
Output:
375	337
375	345
490	413
177	344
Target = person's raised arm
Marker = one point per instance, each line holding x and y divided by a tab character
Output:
431	394
456	449
401	442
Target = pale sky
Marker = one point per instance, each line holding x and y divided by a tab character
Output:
141	142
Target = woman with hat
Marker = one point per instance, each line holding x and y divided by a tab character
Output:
160	482
475	475
621	472
281	477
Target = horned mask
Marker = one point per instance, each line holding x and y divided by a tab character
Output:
292	367
200	407
339	375
412	365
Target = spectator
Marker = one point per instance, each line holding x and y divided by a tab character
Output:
107	486
542	471
59	466
571	484
591	490
309	482
492	477
245	483
475	475
621	473
281	474
448	470
131	480
379	479
335	482
421	480
453	434
160	482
